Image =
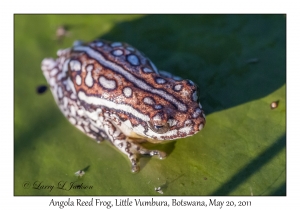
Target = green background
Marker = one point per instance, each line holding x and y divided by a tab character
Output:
239	64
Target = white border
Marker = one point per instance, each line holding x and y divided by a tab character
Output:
8	8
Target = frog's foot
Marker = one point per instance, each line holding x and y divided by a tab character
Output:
133	150
128	147
160	154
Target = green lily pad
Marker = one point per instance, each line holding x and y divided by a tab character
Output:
239	64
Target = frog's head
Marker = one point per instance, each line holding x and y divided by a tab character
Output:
177	114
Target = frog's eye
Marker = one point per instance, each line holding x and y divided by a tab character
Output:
159	128
159	123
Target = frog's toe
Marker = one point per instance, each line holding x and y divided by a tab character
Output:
135	168
160	154
134	163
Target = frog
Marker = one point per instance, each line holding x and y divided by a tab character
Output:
112	91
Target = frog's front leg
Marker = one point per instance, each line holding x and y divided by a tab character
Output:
128	147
